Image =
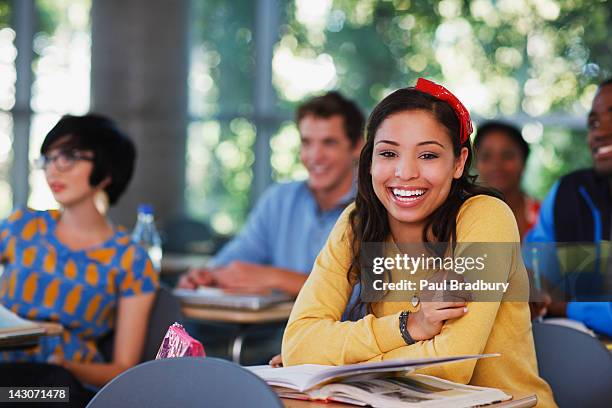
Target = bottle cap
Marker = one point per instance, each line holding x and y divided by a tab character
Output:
145	209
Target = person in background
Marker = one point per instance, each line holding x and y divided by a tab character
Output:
74	267
414	187
578	209
291	221
501	155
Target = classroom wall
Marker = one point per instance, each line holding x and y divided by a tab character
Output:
139	69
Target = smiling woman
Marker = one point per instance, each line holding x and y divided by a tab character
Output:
413	180
501	156
414	187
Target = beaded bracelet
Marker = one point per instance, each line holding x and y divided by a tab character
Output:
403	325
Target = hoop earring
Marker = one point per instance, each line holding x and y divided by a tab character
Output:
101	202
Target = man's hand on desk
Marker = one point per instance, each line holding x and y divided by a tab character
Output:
237	276
245	277
195	278
255	278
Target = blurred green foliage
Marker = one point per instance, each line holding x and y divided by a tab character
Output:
379	45
559	152
527	60
5	13
220	155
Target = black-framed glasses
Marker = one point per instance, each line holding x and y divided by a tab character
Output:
64	160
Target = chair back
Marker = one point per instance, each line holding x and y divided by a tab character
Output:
576	365
186	382
166	310
183	233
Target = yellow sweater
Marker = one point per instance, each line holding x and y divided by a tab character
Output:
315	334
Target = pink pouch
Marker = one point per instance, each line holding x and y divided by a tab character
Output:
178	343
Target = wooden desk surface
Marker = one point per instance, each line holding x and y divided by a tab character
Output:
522	402
272	314
25	341
52	329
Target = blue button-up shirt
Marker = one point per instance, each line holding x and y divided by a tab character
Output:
286	229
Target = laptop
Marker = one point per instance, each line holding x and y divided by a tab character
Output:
215	297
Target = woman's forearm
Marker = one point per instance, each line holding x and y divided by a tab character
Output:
130	330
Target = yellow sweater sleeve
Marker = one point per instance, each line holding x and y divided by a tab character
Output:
314	333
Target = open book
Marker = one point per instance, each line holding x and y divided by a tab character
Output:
15	331
386	384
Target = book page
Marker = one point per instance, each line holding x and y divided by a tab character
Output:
409	391
295	377
307	376
10	320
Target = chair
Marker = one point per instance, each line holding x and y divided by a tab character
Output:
186	235
166	310
577	366
186	382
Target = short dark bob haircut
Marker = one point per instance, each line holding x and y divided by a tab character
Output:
114	152
507	129
333	103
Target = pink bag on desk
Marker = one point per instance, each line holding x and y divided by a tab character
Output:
178	343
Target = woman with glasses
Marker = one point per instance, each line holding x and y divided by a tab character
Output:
73	266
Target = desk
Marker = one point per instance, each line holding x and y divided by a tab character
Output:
51	329
277	313
243	318
522	402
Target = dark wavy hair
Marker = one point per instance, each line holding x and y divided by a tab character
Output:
114	152
368	220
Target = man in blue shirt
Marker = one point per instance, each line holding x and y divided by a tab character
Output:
290	223
578	210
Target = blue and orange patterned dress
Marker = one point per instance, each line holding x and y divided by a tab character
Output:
44	280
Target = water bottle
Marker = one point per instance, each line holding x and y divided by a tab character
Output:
145	234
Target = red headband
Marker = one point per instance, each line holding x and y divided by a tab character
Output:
440	92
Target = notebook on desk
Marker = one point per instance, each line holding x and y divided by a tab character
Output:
215	297
15	331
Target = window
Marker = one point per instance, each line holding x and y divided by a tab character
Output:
7	101
60	85
61	78
533	63
222	130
